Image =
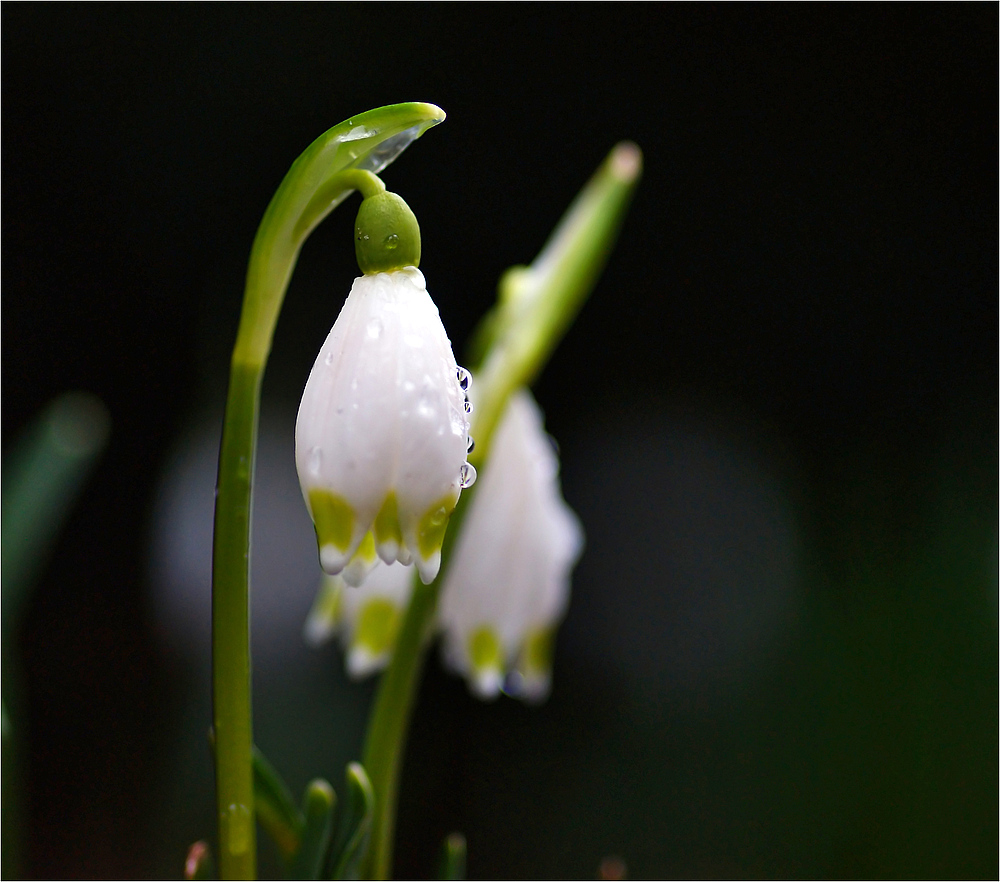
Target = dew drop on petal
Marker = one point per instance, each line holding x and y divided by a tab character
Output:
374	329
467	475
472	445
468	405
464	379
391	241
329	358
315	460
439	517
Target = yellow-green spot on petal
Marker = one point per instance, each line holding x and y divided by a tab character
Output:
333	517
329	604
387	522
366	550
485	652
378	622
536	654
430	530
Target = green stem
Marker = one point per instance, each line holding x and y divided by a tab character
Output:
390	719
339	161
231	626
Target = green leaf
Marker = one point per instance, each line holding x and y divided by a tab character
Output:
355	827
199	864
319	803
276	810
452	861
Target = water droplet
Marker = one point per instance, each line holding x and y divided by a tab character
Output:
374	329
439	517
329	357
468	405
467	475
425	408
391	241
472	445
464	379
236	822
315	460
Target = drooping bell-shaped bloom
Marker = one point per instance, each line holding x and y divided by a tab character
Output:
366	618
383	429
508	581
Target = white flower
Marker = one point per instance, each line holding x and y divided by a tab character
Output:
382	431
366	618
507	584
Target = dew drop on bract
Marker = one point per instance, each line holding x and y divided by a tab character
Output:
467	475
464	379
391	241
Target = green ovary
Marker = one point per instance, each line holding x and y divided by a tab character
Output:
333	517
485	652
378	623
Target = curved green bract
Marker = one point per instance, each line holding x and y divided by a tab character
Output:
367	142
345	158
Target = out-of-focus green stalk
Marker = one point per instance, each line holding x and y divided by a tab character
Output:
42	478
536	306
345	158
41	481
537	303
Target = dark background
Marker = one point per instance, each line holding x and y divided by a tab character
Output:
778	418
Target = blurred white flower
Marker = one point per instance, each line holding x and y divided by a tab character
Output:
508	580
366	618
382	431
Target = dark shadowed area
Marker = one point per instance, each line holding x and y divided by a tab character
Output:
777	418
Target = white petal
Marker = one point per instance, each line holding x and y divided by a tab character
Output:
340	608
511	565
382	426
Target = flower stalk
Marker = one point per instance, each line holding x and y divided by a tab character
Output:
345	158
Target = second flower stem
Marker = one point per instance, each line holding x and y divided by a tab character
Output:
390	719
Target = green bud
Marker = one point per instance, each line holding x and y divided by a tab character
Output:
386	234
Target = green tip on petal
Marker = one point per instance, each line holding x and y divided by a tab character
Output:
377	625
386	234
486	661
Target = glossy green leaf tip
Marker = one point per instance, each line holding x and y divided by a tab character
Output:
318	807
350	849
